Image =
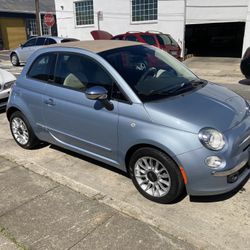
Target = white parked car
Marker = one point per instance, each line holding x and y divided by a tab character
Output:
6	81
22	53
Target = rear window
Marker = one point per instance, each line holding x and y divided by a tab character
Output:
66	40
164	40
148	39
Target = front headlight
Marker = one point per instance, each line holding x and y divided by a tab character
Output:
212	138
8	85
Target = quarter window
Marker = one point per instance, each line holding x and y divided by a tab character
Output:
50	41
43	67
84	12
144	10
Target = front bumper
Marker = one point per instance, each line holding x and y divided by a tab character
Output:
4	95
202	180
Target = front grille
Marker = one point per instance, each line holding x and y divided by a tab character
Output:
4	100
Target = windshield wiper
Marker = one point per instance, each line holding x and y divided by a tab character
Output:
175	89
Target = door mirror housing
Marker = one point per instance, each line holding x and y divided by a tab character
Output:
96	93
101	94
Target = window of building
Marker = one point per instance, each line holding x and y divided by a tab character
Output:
144	10
84	12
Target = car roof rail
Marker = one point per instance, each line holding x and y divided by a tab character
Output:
128	32
154	31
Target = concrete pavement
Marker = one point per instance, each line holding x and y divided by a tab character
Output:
38	213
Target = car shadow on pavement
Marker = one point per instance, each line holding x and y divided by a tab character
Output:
221	197
90	160
108	167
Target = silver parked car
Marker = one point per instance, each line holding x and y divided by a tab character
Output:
6	81
137	108
22	53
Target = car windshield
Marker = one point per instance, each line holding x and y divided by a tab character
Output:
150	72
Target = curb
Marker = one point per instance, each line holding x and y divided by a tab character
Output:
122	206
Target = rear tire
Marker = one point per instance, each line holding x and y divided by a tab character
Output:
156	176
22	131
14	59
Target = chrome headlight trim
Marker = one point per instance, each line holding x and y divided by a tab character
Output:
212	139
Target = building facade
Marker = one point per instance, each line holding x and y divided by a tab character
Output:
207	27
18	21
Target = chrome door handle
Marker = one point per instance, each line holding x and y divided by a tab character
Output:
50	102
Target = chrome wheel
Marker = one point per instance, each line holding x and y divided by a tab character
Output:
152	177
14	60
20	131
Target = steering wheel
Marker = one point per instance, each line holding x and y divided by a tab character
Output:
151	70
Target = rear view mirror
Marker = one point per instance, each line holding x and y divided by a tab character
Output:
101	94
96	93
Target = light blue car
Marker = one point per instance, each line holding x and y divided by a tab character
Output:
136	108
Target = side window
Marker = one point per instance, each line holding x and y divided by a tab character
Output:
81	72
40	41
149	39
50	41
131	38
43	67
31	42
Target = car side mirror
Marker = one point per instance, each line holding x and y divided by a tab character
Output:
101	94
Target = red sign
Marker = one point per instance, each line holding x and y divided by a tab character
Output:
49	19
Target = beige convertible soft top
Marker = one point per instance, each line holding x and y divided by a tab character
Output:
97	45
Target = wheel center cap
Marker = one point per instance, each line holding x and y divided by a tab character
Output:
152	176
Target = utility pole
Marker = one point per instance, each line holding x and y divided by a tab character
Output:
38	18
184	28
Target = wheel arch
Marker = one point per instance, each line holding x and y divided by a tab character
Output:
11	110
132	149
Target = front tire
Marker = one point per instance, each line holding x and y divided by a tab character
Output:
22	131
156	176
14	59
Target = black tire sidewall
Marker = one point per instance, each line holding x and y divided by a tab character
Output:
177	183
17	59
33	141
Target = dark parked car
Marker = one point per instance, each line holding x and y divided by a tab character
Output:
155	38
245	64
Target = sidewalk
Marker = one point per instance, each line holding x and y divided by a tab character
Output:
38	213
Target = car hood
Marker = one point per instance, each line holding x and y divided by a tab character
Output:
6	76
211	106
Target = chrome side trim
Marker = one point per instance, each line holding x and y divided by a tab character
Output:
230	171
244	141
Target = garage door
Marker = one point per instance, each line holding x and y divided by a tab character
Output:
216	39
13	32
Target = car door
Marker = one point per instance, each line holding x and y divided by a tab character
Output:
25	49
39	74
74	121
